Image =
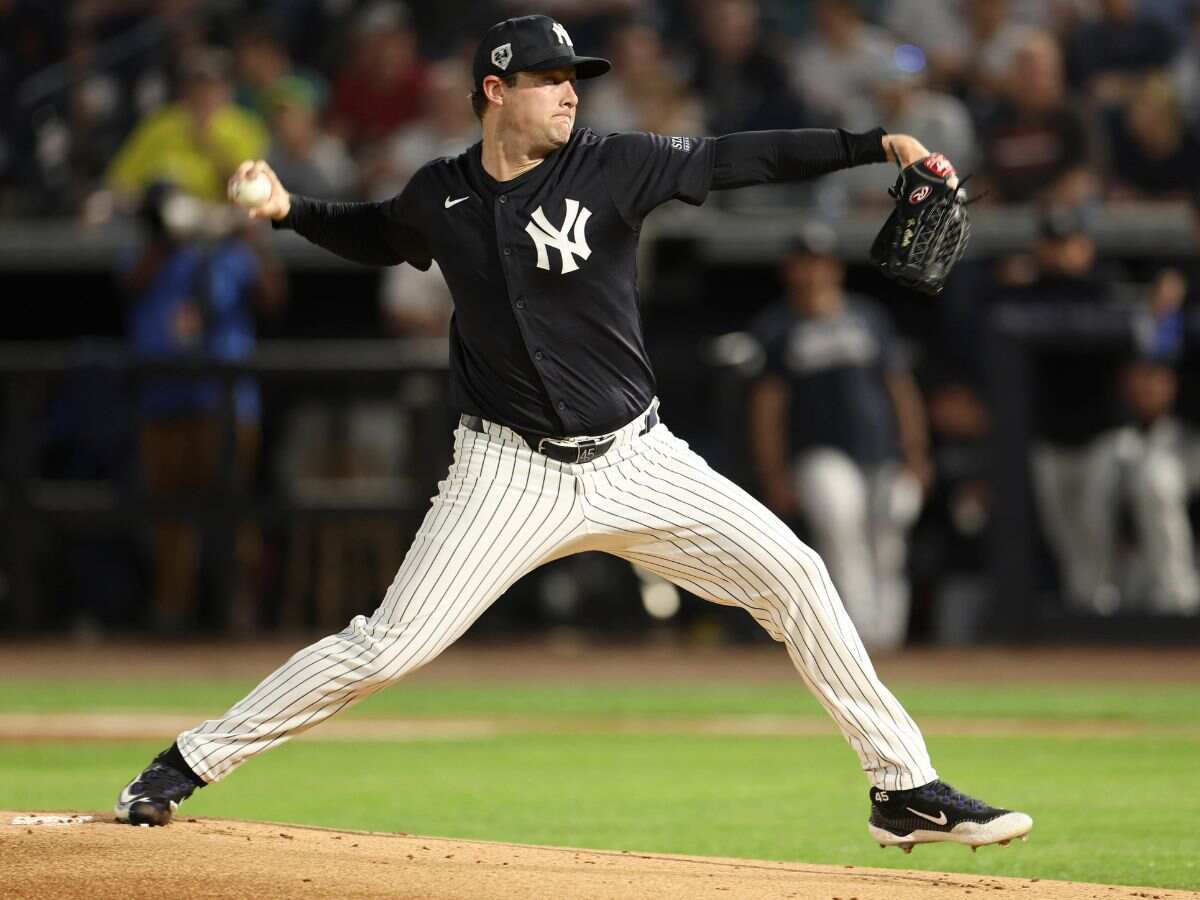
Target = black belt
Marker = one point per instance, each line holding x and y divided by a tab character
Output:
567	450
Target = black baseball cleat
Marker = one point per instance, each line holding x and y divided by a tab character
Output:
937	812
153	797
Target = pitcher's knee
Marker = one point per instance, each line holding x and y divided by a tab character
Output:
803	578
386	651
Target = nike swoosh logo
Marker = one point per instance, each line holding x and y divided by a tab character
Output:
127	796
940	820
450	203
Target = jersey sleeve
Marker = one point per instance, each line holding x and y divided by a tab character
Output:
646	170
384	233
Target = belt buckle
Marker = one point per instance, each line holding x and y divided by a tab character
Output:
586	449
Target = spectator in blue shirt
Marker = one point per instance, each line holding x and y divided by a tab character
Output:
192	296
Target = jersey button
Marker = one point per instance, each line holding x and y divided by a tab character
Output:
520	304
504	198
561	405
508	251
539	355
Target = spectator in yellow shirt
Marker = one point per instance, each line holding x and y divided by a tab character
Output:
196	142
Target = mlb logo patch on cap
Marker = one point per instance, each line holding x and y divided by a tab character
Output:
531	44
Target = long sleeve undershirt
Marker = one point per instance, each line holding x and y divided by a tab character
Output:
767	157
370	232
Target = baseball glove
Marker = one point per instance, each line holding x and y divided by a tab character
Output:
927	232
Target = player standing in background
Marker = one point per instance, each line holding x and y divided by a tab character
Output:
560	448
838	433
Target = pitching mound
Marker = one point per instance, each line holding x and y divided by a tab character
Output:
218	858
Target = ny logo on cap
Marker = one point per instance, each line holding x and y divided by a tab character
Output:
502	56
563	37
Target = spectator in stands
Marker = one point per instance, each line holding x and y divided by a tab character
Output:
743	87
261	61
76	142
315	162
1104	56
196	142
1153	150
903	104
190	294
590	22
382	86
1150	464
845	59
1036	144
969	44
644	92
447	129
838	434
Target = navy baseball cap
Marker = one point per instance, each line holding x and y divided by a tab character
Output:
530	44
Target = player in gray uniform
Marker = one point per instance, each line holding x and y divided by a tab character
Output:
560	448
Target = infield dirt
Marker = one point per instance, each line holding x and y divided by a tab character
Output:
221	858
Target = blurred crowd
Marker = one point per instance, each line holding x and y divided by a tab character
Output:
877	442
1067	100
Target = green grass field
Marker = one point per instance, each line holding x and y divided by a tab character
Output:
1116	809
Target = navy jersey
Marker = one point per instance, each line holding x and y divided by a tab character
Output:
836	368
546	335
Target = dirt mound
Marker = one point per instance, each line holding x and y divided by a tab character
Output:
219	858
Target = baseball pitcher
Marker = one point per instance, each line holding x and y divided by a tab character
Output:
560	447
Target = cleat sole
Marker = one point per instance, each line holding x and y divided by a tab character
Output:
1001	831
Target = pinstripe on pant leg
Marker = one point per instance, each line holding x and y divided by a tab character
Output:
676	516
501	512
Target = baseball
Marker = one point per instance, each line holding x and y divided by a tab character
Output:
253	191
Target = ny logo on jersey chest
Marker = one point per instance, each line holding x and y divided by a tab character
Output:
546	236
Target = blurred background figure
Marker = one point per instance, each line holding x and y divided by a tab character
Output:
1105	55
448	129
415	303
1147	465
195	142
1036	144
845	59
838	434
1153	147
314	163
646	91
904	104
949	544
382	83
194	289
968	44
744	87
262	61
1185	68
1074	401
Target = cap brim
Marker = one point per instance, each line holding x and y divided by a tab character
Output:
585	66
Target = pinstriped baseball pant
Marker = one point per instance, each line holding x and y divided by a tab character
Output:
502	511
